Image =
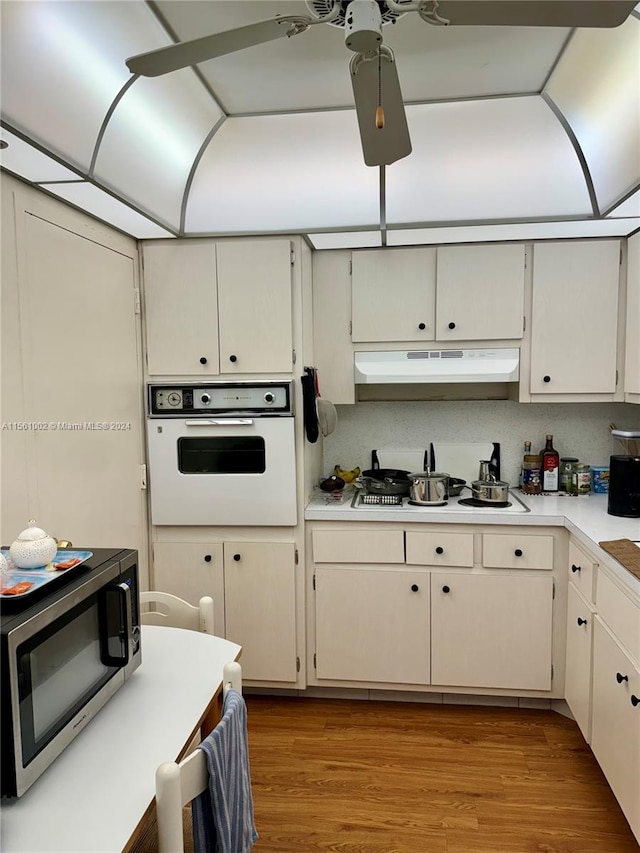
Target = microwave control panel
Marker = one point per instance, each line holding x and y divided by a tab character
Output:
264	398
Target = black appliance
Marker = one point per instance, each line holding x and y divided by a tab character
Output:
624	486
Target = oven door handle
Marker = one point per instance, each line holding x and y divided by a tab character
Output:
223	422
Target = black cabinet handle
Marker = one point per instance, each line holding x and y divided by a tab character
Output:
207	558
546	379
446	589
635	701
237	557
452	325
439	550
518	552
575	568
414	587
203	360
233	358
582	621
620	677
422	326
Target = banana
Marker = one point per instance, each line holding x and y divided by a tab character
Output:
347	476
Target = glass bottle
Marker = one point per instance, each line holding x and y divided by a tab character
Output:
550	464
527	452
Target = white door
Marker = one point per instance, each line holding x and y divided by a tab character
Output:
82	380
480	293
260	608
393	295
577	686
574	317
491	630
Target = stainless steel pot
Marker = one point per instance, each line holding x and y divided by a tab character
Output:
490	491
429	489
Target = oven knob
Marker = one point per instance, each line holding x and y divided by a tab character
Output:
205	399
269	397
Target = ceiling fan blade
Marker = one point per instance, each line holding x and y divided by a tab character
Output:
187	53
536	13
381	146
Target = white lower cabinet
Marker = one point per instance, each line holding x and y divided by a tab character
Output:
491	630
577	685
615	731
372	624
253	589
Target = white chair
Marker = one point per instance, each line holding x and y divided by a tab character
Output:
171	611
178	784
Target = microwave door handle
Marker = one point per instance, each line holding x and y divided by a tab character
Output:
221	422
120	594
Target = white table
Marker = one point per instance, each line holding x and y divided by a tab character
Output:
94	795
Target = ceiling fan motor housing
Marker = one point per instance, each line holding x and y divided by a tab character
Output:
363	26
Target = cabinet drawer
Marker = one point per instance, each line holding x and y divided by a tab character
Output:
581	570
517	551
619	612
439	549
358	546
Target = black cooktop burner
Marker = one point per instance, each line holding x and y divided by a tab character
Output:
478	503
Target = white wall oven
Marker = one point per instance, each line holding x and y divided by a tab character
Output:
222	454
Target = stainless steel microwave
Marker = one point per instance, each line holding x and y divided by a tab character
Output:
62	657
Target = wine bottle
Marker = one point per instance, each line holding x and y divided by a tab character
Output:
550	466
527	451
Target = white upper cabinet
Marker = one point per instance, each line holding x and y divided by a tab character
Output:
393	295
632	358
218	308
480	292
575	317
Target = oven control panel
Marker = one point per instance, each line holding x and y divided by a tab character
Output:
222	398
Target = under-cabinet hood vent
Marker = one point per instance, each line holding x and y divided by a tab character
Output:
437	366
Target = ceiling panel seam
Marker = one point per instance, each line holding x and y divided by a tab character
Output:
557	60
577	148
383	205
174	36
193	169
107	119
621	200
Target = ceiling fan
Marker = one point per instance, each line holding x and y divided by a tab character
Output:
376	88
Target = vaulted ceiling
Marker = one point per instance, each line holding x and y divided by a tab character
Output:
517	132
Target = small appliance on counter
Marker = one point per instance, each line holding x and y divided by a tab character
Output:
624	476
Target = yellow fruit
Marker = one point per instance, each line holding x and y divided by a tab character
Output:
347	476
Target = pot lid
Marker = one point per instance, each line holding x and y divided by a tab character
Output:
32	533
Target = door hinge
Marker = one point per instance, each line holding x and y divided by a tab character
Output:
553	588
616	378
143	476
293	356
297	664
350	327
350	267
621	256
525	259
293	257
314	581
524	324
136	300
314	661
296	556
551	672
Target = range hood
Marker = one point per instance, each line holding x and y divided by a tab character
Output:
437	366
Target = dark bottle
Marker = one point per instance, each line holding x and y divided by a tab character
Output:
550	466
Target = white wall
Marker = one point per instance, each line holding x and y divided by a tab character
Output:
579	429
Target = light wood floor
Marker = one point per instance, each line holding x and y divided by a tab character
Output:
381	777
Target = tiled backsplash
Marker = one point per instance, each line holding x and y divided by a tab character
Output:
578	429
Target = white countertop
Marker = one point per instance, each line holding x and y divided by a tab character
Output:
585	517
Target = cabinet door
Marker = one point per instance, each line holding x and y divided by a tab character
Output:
577	686
372	625
632	355
615	725
393	295
491	631
574	317
260	607
191	570
254	305
480	293
181	307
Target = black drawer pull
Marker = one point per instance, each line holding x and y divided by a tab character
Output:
233	358
422	326
207	558
439	550
546	379
620	677
237	557
518	552
414	587
452	325
575	568
446	589
582	621
203	360
635	701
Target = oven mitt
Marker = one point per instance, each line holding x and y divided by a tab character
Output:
327	416
309	413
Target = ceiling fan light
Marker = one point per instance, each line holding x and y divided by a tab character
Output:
363	26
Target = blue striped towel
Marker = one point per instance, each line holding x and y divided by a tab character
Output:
223	815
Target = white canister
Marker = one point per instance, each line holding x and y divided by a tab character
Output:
33	548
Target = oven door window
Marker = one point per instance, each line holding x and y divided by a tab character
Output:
63	666
222	455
